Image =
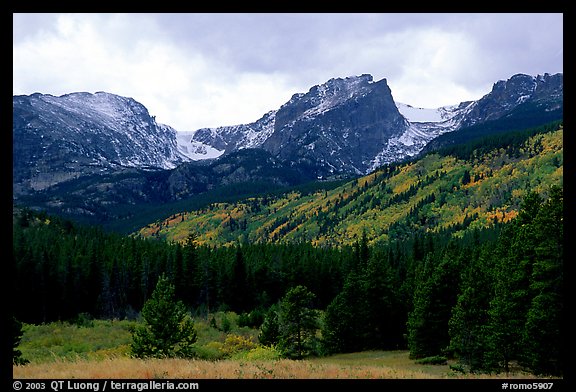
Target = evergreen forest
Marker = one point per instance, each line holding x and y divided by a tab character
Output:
488	292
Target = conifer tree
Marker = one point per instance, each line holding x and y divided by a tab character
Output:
187	288
417	324
238	297
436	290
469	315
269	330
344	326
168	330
298	322
385	321
544	337
466	177
506	315
515	256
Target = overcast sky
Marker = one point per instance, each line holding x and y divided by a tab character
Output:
207	70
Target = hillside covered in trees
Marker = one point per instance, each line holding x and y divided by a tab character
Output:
458	254
465	186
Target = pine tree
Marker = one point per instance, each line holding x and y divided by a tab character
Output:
466	177
417	324
168	330
298	322
385	319
187	288
435	295
544	337
238	290
270	330
345	319
515	256
469	315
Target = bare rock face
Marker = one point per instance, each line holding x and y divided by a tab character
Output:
104	156
342	124
338	127
506	95
61	138
352	125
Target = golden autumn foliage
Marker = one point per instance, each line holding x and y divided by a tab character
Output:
426	193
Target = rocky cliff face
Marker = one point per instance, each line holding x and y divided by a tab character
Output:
345	126
521	102
227	139
506	95
97	154
60	138
336	127
353	125
342	125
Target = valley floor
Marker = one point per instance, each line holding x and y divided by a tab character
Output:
365	365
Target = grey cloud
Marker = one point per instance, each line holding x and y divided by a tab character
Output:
297	50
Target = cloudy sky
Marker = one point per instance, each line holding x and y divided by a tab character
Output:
206	70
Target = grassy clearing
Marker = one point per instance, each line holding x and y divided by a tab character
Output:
104	339
100	349
58	341
397	364
385	365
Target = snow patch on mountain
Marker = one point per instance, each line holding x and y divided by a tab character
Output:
100	128
194	150
414	114
425	125
335	92
254	136
425	115
421	125
230	138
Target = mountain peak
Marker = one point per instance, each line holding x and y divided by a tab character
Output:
507	95
353	125
110	148
358	79
347	125
61	138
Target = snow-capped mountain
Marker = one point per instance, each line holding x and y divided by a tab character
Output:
546	91
425	125
349	125
336	127
232	138
104	158
60	138
345	126
352	125
521	102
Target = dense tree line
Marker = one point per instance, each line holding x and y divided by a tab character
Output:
490	304
488	297
484	142
61	269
